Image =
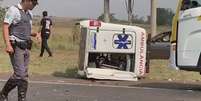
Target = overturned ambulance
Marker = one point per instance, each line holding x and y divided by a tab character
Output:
112	51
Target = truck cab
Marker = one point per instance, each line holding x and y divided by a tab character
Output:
185	52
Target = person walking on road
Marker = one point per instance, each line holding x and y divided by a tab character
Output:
46	26
17	34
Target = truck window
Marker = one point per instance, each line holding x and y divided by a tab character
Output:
189	4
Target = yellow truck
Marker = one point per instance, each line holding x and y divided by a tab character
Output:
185	51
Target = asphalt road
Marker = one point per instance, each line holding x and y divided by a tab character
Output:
52	91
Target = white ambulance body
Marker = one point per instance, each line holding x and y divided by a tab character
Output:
112	51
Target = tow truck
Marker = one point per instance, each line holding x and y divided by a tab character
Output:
185	51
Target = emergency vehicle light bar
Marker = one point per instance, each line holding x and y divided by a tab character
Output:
94	23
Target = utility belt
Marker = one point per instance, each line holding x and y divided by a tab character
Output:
27	44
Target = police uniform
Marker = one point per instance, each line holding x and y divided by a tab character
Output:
20	23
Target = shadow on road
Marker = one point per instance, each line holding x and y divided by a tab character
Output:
72	74
169	85
68	73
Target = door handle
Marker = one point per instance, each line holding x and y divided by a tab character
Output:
187	15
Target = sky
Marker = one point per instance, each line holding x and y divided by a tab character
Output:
92	8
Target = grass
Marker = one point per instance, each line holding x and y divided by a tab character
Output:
160	70
61	61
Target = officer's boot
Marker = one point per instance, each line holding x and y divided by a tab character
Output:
22	90
10	84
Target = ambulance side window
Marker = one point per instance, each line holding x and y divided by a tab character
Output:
83	31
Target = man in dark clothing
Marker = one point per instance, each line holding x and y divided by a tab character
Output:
17	34
46	24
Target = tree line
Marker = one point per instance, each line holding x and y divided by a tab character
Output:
164	17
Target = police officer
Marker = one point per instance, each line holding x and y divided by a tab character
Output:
186	4
46	25
17	35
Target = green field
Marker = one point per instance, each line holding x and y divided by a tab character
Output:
65	57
